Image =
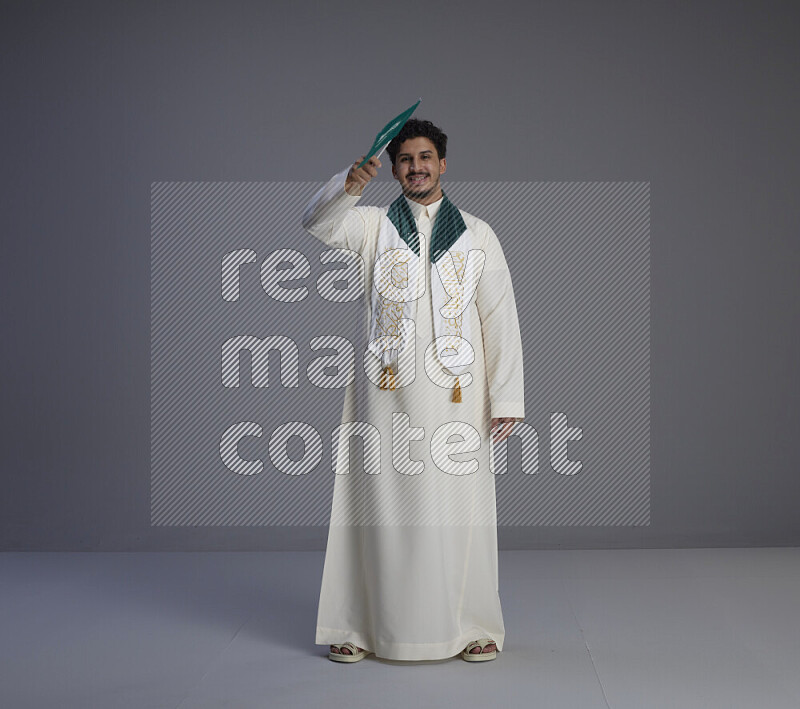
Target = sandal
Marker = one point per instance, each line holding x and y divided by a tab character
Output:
354	656
479	656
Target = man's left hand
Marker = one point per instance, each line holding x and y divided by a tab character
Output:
502	427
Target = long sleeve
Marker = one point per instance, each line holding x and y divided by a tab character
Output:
502	341
332	218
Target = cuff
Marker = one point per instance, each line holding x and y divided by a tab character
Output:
335	190
330	204
501	409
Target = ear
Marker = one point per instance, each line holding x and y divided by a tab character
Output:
394	173
442	166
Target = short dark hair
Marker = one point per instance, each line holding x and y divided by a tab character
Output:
415	128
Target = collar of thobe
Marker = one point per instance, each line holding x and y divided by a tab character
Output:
424	210
448	224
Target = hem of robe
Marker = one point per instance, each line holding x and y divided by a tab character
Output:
407	651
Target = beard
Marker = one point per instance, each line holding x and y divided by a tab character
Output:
412	192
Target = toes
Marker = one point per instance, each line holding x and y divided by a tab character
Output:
343	650
490	647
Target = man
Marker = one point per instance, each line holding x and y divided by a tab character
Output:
410	569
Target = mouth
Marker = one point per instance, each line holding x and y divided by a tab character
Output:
417	179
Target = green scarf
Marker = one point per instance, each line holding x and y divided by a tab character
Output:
448	226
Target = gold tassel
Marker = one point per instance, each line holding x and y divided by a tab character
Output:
387	378
457	392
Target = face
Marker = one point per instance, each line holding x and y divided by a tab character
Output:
417	168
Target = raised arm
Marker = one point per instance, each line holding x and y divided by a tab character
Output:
331	216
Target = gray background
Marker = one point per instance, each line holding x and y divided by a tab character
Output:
101	99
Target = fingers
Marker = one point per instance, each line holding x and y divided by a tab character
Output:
364	174
504	431
358	177
502	428
370	167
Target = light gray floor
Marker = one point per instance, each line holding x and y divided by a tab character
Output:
626	629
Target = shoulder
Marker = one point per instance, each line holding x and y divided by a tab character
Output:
368	216
479	228
370	213
371	210
366	222
487	241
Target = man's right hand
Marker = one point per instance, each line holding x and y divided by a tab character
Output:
358	177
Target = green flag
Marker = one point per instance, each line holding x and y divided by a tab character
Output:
389	131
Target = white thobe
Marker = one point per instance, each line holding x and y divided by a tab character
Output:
411	568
